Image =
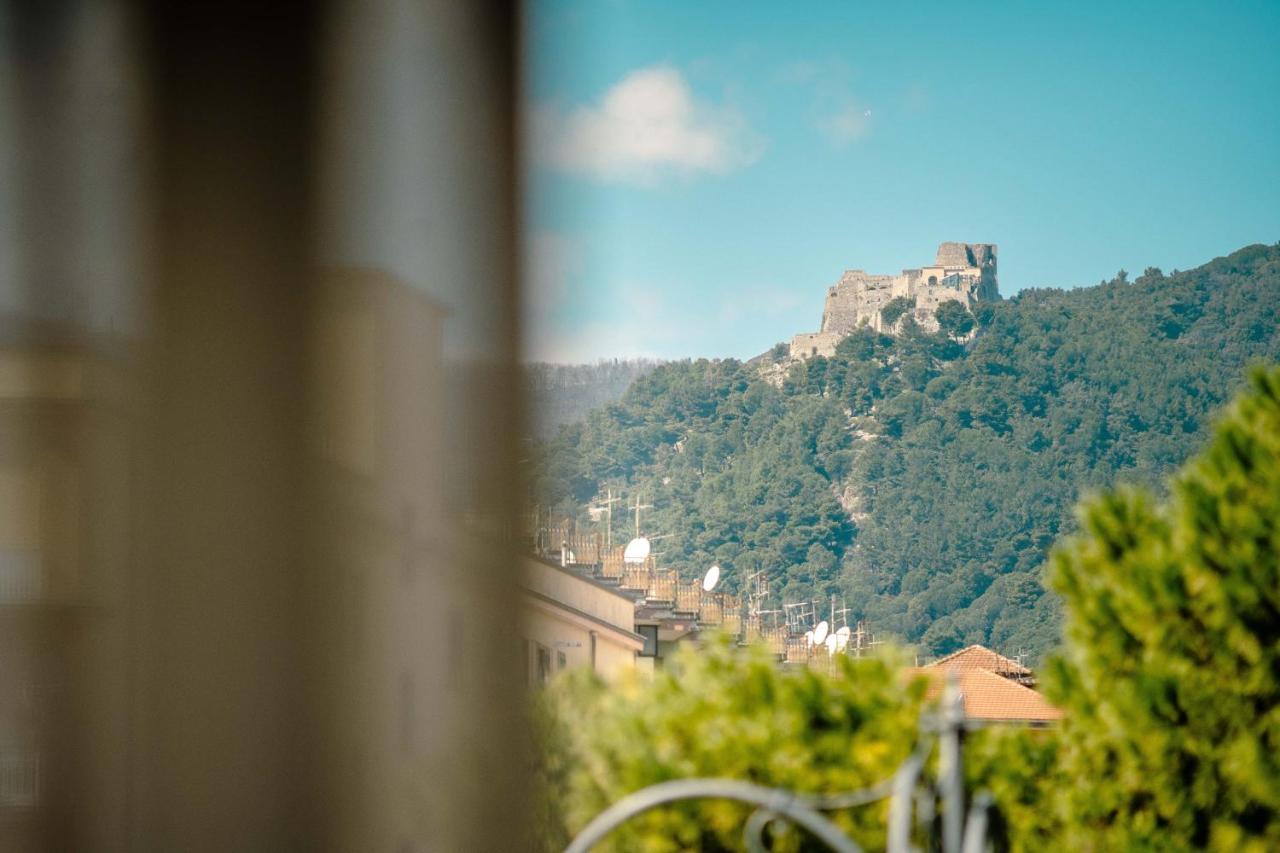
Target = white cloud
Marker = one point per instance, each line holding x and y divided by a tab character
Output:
848	124
648	124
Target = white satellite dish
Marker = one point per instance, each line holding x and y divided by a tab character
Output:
833	643
808	638
637	550
711	578
842	637
820	633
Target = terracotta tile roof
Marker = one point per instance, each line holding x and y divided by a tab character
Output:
982	658
988	696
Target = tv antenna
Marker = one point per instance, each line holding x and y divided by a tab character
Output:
839	615
773	618
607	509
862	638
757	591
639	506
800	616
758	583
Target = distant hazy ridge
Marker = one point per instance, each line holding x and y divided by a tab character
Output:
564	393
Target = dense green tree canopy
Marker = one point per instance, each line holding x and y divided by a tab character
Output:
560	394
921	477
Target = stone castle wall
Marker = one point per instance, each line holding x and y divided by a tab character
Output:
809	344
852	300
961	272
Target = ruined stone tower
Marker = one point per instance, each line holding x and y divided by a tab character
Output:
961	272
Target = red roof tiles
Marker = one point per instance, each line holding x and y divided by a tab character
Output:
982	658
993	687
990	697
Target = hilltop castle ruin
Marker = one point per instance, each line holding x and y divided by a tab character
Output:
962	272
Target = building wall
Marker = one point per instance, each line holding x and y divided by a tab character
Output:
568	642
564	614
573	590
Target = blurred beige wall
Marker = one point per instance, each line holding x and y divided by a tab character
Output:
251	595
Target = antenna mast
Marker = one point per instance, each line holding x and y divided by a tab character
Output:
842	611
861	634
608	502
639	506
757	591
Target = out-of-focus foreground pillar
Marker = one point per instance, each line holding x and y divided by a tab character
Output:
220	720
418	419
254	591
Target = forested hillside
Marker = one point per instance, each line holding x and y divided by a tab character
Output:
562	394
922	478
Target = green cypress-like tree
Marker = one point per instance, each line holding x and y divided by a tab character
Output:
1171	681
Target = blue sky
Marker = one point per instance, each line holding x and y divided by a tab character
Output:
700	172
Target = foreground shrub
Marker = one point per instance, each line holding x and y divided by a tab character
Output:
1171	681
726	712
1170	675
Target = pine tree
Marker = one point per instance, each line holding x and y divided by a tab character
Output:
1172	679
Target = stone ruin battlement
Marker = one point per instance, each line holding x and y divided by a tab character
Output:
961	272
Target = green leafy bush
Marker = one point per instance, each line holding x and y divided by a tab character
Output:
725	712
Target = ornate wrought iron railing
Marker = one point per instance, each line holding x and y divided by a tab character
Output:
913	799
